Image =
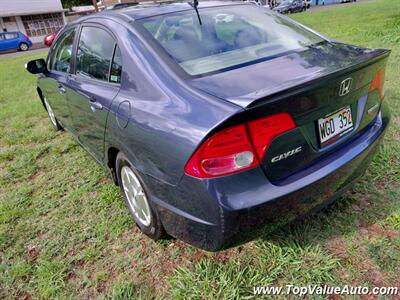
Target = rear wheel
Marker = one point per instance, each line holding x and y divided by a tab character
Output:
136	199
23	46
52	116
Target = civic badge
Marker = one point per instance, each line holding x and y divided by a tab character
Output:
345	86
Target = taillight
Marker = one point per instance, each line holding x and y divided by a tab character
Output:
378	82
237	148
26	37
264	130
224	153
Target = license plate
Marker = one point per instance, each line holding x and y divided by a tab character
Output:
335	125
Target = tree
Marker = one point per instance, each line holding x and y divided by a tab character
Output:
70	3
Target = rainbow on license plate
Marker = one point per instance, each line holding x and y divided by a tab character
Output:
335	125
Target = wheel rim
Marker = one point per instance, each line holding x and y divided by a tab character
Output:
135	195
51	113
24	47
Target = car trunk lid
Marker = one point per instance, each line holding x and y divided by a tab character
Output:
306	84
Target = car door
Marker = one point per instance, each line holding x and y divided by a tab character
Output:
12	40
54	83
94	86
3	45
7	41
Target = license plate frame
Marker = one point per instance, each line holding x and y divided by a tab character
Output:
335	125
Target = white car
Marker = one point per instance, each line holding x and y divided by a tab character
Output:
256	2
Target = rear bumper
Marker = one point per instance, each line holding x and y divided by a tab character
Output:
220	213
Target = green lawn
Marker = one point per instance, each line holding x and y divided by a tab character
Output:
65	233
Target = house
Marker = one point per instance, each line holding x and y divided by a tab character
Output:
35	18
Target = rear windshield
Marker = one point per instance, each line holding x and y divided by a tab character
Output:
229	36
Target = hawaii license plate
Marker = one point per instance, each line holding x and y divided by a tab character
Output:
335	125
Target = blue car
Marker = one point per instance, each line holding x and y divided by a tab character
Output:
219	122
14	41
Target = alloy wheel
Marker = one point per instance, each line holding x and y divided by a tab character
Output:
51	113
23	47
136	196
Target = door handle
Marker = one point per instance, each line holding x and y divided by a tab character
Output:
94	105
61	89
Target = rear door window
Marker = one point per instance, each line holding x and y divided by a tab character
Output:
10	36
94	53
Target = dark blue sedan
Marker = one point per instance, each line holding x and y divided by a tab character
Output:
290	6
14	41
218	125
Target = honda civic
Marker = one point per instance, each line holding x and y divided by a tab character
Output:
219	121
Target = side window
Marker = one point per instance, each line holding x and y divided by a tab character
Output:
116	67
95	51
61	58
10	36
1	37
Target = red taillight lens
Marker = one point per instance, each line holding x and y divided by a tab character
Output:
264	130
224	153
237	148
378	82
26	37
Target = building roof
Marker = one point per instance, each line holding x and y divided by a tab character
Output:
23	7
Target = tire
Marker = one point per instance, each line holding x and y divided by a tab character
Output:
136	199
53	119
23	47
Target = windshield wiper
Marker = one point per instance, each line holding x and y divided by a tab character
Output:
195	4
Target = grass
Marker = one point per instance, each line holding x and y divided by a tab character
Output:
65	233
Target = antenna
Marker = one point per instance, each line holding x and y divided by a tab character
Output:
195	4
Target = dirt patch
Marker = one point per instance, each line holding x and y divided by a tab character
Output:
23	295
32	252
377	278
374	231
369	297
367	270
338	248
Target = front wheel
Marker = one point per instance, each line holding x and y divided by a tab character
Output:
52	116
136	199
23	47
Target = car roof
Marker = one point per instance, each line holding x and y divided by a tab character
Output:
150	9
139	12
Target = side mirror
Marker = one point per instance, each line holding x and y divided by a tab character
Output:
36	66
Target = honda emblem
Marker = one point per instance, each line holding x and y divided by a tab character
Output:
345	86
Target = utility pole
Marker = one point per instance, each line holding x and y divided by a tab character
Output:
95	5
